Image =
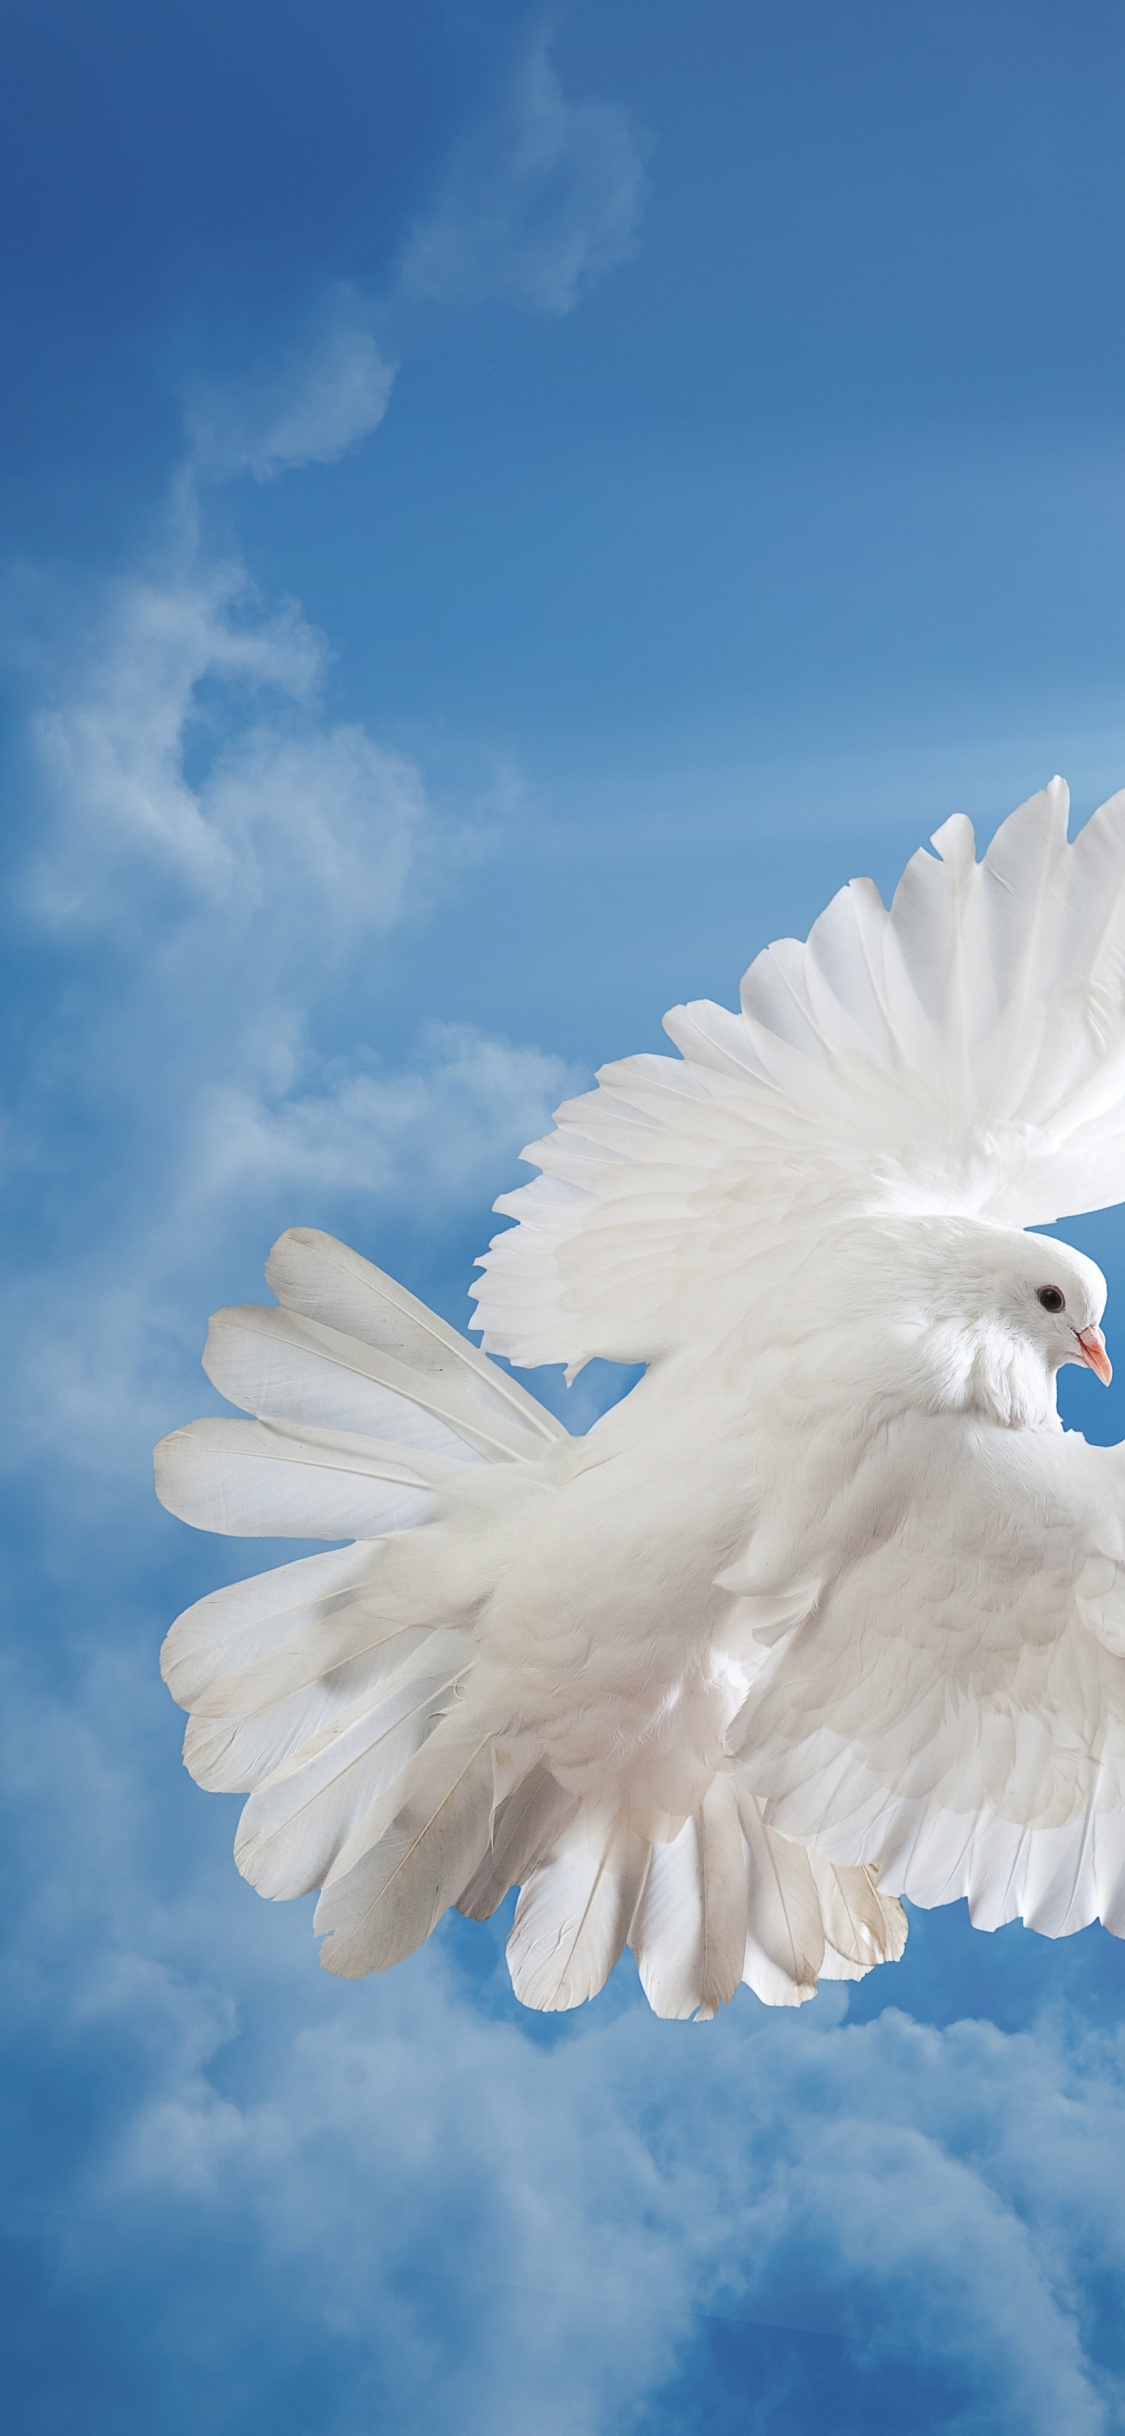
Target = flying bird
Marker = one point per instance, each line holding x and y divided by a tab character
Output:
829	1609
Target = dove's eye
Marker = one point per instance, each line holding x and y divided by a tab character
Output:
1051	1299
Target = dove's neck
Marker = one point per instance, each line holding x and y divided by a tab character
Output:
861	1375
972	1366
929	1328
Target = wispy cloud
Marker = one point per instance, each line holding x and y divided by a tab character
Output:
427	1134
247	856
537	204
320	400
186	741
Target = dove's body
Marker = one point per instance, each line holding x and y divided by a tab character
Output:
828	1594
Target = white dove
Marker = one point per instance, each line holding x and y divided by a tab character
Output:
829	1609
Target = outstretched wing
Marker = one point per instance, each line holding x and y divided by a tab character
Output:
962	1052
953	1709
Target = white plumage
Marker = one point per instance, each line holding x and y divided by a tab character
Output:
829	1609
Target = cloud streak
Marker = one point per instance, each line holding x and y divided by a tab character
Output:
537	204
187	743
246	857
313	407
426	1137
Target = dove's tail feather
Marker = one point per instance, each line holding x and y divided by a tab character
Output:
341	1692
317	1687
727	1900
691	1930
730	1900
410	1858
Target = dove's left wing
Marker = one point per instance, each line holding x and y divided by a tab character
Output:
961	1050
953	1708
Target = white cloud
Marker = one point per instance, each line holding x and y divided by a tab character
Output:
186	742
343	813
246	856
430	1136
537	205
311	409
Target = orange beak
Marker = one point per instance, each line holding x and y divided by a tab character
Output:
1094	1353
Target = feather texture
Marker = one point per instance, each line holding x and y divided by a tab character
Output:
229	1630
956	1715
379	1906
689	1931
861	1925
312	1274
785	1933
302	1816
265	1479
525	1825
284	1367
575	1912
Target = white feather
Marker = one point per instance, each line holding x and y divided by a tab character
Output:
380	1907
862	1925
523	1826
302	1816
284	1367
232	1628
267	1480
575	1912
312	1274
785	1933
689	1930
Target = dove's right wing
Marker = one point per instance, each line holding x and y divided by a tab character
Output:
953	1709
962	1051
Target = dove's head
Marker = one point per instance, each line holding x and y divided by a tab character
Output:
986	1316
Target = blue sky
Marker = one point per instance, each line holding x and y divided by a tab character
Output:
503	512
